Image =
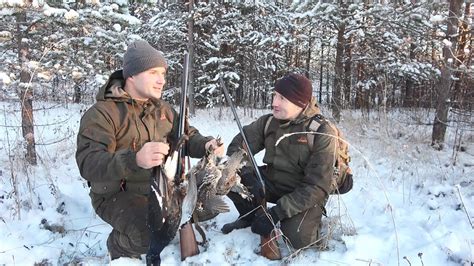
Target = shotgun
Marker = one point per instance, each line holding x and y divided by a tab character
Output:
165	198
269	244
187	239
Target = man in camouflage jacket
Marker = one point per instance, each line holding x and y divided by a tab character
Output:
127	132
297	178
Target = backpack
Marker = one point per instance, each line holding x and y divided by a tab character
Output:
342	179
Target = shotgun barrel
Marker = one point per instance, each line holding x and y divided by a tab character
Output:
188	244
165	191
269	244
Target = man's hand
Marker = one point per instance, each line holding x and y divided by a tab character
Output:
215	146
264	222
152	154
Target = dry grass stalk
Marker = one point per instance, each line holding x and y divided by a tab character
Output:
464	206
13	176
389	205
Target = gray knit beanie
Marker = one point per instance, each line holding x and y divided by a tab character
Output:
141	56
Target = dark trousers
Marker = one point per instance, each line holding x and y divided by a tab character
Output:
301	230
127	213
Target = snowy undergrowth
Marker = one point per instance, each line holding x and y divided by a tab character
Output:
405	207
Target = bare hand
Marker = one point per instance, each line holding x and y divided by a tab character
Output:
215	146
152	154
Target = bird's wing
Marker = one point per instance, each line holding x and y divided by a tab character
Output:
242	190
230	168
189	201
171	166
215	204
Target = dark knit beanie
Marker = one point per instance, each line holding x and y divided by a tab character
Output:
141	56
296	88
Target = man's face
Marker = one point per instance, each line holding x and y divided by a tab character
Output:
283	109
147	84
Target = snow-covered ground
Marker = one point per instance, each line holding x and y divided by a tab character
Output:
410	205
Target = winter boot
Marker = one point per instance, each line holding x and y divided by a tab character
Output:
237	224
246	211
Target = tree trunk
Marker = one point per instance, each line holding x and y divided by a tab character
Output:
336	103
360	98
444	85
308	55
77	98
347	72
408	100
459	91
26	94
328	80
191	59
321	69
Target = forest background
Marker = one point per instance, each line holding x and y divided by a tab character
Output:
369	57
362	55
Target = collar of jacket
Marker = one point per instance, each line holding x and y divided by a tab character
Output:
113	90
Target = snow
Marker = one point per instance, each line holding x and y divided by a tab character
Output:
5	34
71	14
211	60
44	75
410	203
447	43
51	11
437	19
12	3
117	27
5	78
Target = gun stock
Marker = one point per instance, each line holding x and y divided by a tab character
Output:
269	245
187	241
187	238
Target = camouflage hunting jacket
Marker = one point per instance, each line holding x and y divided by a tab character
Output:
296	177
114	129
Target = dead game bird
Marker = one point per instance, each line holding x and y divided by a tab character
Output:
230	180
213	179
